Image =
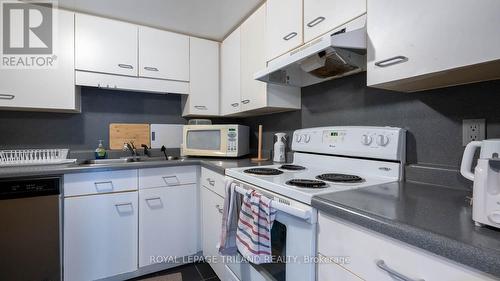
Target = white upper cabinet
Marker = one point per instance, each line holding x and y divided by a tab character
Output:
284	26
203	99
45	89
253	59
230	68
321	16
418	45
104	45
163	54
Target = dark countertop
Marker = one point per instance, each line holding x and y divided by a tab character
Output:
434	218
216	164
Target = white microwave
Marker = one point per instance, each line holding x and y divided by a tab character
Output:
215	140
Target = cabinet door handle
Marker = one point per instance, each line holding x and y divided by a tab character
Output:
151	68
391	61
235	104
126	66
316	21
153	198
178	182
290	36
200	107
381	264
211	181
219	208
102	183
6	97
119	207
245	101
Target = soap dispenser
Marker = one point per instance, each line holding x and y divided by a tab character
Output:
100	152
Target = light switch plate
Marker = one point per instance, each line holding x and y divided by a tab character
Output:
473	130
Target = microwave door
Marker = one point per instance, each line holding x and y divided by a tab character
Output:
204	140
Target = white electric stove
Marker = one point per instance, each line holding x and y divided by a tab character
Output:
326	159
331	159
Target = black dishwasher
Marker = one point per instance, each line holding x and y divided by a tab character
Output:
30	247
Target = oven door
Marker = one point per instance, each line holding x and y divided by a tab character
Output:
204	141
293	241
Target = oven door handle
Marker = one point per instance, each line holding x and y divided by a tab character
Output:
296	212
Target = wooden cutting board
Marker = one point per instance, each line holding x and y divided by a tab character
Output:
120	133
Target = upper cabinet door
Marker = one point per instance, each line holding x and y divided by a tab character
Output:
203	96
321	16
104	45
435	52
230	73
45	89
163	54
253	59
284	26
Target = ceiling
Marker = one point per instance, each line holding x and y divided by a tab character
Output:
211	19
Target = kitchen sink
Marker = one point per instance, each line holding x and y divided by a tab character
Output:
124	160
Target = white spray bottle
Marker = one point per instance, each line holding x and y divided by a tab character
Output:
280	148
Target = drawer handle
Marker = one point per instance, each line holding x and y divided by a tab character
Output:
290	36
148	68
235	104
6	97
178	182
391	61
153	198
104	183
200	107
219	208
316	21
381	264
245	101
126	66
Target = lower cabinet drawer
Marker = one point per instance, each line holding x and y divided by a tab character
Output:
99	182
167	176
373	256
213	181
334	272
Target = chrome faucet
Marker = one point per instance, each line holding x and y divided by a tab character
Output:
129	146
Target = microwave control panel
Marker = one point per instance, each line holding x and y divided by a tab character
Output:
232	142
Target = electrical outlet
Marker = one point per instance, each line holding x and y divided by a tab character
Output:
473	130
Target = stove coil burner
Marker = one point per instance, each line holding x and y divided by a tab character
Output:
307	183
342	178
292	167
263	171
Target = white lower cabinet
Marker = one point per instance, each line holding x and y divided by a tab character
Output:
167	223
334	272
365	248
100	235
211	208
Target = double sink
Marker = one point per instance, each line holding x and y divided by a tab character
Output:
124	160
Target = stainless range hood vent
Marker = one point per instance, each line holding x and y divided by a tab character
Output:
337	54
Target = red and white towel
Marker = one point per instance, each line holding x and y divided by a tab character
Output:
253	236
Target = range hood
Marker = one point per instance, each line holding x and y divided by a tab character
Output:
339	53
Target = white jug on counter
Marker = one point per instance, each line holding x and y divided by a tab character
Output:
280	148
486	178
489	149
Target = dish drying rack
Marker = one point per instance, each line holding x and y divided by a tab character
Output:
28	157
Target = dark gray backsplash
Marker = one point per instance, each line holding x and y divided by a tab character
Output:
433	118
82	131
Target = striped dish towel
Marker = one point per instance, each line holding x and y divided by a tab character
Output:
253	236
232	204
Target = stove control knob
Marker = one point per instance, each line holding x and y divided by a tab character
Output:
307	138
366	139
298	138
382	140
